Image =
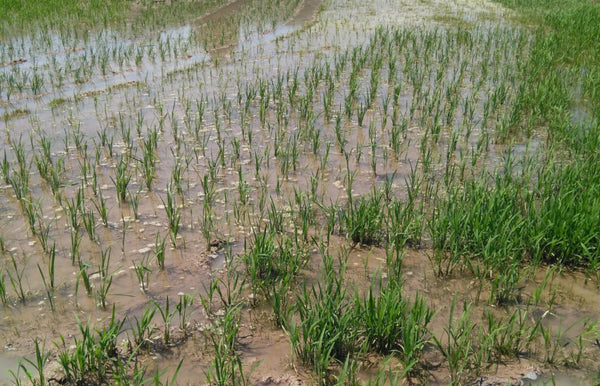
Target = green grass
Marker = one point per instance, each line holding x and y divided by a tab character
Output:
95	356
543	208
544	217
337	328
327	331
565	54
21	15
364	219
490	172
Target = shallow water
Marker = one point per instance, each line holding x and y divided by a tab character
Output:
256	154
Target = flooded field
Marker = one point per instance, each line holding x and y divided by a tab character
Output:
300	192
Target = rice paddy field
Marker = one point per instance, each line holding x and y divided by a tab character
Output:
300	192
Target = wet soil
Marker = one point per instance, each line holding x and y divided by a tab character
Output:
158	93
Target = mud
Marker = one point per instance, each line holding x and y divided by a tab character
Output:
159	93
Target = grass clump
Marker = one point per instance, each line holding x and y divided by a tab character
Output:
544	216
338	329
14	114
272	264
25	16
327	331
389	323
95	356
559	73
364	219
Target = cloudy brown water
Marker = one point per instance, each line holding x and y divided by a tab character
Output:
247	159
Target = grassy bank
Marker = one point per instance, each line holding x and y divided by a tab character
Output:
25	17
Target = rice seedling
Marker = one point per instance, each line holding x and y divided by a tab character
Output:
272	269
364	220
326	333
348	373
183	312
72	207
38	364
124	228
49	283
167	316
42	231
473	143
95	356
227	364
458	348
243	188
128	370
382	316
6	169
134	200
230	287
74	252
159	251
89	223
143	329
207	300
100	205
142	273
122	178
15	275
85	279
508	337
106	278
177	178
360	113
159	373
148	165
415	335
173	215
590	329
3	294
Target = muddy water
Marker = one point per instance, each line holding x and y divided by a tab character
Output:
160	94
